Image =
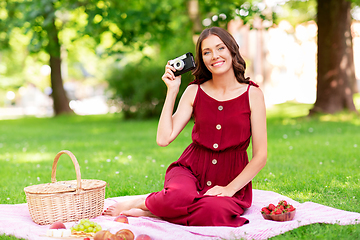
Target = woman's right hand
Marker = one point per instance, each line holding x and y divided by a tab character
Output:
169	78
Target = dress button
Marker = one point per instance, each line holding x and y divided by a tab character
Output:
214	161
215	145
220	108
218	127
208	183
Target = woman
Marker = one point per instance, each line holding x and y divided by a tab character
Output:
210	184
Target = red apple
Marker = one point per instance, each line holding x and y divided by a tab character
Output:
57	225
143	237
122	219
125	234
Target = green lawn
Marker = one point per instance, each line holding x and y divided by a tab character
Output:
314	159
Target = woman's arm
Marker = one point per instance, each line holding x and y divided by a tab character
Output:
170	125
259	147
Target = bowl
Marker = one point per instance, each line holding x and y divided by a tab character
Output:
288	216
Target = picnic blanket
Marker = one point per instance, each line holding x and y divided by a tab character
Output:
15	220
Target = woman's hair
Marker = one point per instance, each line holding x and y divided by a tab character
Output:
201	72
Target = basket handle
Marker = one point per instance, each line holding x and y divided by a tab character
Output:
76	165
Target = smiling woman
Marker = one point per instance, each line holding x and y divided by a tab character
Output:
210	184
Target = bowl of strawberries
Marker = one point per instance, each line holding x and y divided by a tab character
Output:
281	212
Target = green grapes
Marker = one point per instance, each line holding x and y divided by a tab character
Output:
85	225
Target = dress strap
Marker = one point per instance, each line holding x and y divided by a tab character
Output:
251	83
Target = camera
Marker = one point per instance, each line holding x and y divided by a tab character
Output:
183	64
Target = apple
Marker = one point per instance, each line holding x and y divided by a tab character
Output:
57	225
125	234
122	219
143	237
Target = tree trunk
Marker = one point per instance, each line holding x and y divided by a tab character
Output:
335	58
61	102
194	14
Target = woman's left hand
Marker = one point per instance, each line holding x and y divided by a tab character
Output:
220	191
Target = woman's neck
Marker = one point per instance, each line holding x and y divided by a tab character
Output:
224	81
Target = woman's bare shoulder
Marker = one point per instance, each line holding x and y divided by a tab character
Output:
255	91
191	90
190	93
256	96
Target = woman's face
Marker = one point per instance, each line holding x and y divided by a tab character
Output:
216	56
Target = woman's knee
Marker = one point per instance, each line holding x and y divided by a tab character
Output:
179	192
214	211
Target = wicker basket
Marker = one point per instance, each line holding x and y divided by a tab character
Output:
65	201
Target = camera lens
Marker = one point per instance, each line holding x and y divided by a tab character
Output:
179	65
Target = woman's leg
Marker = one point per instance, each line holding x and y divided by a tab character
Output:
180	191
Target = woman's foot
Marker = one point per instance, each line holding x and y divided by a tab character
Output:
119	207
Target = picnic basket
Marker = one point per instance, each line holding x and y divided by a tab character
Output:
65	201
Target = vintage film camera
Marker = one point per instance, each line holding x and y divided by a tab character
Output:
183	63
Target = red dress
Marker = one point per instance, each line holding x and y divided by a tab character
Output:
221	135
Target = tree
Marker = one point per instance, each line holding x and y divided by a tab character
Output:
336	81
40	18
336	73
127	24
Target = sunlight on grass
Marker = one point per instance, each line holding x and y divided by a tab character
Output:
30	157
341	117
288	109
301	196
121	158
337	184
294	109
357	100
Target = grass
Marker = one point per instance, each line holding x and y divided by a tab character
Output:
310	159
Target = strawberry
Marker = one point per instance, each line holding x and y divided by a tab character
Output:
265	210
283	203
290	208
278	211
281	207
271	207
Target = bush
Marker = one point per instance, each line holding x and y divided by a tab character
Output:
139	88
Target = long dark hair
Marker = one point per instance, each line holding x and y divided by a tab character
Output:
202	74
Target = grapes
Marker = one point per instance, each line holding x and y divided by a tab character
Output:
85	225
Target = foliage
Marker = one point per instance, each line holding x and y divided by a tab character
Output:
69	21
109	27
139	88
297	11
136	81
111	30
220	13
